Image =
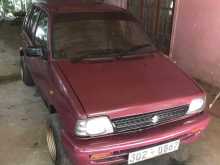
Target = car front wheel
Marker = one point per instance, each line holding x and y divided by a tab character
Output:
54	142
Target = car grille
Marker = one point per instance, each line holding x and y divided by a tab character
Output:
144	121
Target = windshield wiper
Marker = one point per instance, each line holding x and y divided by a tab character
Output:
133	49
95	54
106	53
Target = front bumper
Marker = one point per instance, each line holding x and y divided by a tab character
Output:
80	150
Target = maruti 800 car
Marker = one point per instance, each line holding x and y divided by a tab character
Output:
112	96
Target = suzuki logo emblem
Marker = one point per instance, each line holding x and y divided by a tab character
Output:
155	119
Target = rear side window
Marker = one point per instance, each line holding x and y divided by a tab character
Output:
26	19
32	21
41	35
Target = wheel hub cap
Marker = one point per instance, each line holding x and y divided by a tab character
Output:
51	144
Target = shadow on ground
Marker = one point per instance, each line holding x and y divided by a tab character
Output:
164	160
9	78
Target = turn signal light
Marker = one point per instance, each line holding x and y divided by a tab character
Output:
196	130
100	156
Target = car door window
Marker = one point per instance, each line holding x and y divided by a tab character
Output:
41	35
32	22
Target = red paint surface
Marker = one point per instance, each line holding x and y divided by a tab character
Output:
129	87
76	6
196	39
81	151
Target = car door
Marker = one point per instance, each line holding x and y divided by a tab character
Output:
27	37
39	66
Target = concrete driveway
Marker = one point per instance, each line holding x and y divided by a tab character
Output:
22	126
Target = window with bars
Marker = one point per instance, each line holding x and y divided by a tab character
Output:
157	17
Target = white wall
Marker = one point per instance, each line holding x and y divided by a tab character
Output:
196	39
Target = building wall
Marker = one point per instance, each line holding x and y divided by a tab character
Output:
120	3
196	38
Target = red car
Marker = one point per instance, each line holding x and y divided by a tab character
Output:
113	97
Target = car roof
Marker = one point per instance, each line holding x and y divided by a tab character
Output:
76	6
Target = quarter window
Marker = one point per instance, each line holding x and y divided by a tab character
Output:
26	19
32	21
41	36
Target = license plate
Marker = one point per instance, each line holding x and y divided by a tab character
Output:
153	152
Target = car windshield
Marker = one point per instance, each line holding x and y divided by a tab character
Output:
100	35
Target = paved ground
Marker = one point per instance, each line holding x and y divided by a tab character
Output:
22	126
9	46
23	116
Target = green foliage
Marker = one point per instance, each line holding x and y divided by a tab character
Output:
7	6
13	7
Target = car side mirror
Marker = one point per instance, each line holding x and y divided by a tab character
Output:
34	52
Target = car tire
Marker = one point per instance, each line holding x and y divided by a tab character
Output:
25	74
54	142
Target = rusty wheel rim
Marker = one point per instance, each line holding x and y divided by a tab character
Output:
51	144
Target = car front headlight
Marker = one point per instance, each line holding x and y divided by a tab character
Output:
197	105
94	127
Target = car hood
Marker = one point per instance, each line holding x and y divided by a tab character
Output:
127	87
